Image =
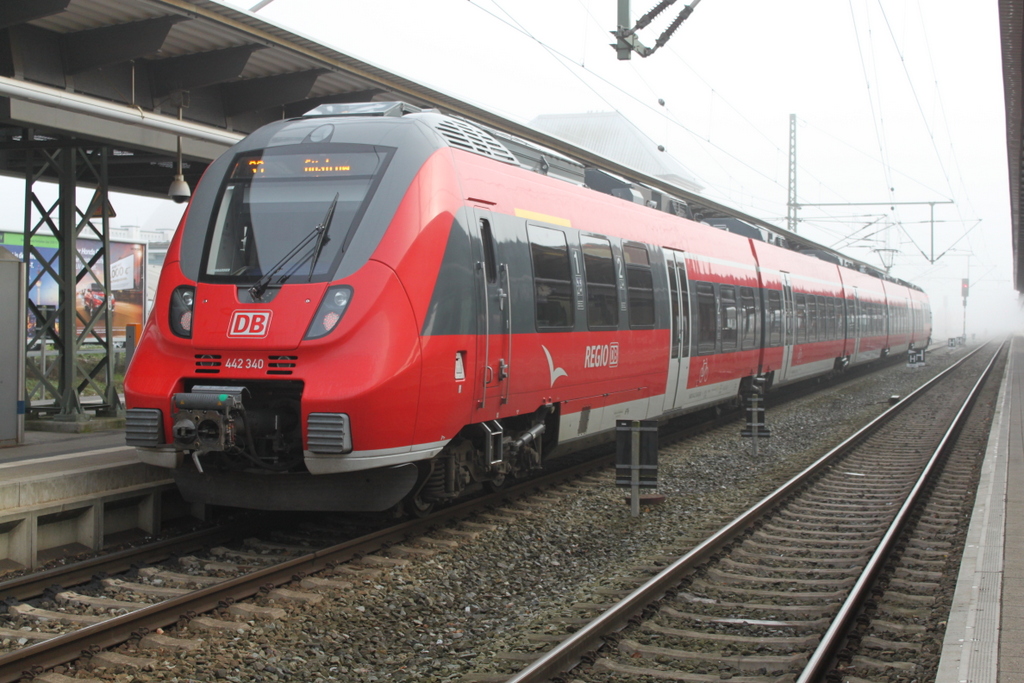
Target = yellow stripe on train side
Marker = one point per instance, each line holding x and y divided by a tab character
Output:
543	218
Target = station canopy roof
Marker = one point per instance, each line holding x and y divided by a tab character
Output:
138	75
1011	19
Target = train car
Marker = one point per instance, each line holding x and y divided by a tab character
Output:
804	294
373	306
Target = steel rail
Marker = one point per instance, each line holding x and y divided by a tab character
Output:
36	583
570	651
836	634
68	647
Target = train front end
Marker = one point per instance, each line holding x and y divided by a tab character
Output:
279	368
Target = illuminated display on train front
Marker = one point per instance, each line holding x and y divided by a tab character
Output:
296	165
324	166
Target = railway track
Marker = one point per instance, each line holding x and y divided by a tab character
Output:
223	581
778	593
217	582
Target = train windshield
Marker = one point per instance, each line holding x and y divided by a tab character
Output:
274	200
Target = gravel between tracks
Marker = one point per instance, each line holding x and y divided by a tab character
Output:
442	618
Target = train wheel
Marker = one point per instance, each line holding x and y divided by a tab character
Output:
496	484
416	506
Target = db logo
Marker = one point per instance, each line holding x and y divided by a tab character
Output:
249	324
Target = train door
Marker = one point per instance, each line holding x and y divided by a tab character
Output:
788	327
855	330
494	341
679	356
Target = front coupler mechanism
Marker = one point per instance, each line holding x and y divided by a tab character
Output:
209	419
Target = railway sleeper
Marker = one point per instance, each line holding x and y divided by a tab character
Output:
834	596
159	641
37	614
51	677
106	659
118	585
607	665
804	625
749	663
818	610
875	643
78	600
249	611
729	579
198	580
874	665
23	637
769	571
774	642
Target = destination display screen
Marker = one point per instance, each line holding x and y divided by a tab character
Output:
323	165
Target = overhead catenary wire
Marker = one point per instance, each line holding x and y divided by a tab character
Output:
599	85
716	93
700	140
518	27
665	111
875	116
924	118
860	151
945	117
671	119
917	99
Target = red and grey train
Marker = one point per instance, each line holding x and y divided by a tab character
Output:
374	305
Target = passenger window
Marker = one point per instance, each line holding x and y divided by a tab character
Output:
640	286
729	318
748	319
552	278
707	318
800	304
602	290
774	317
812	318
490	263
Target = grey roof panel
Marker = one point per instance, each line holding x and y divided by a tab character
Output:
611	135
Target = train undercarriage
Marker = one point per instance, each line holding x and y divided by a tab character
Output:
240	445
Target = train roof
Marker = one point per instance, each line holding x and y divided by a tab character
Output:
468	136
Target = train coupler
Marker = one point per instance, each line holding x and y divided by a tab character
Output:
208	419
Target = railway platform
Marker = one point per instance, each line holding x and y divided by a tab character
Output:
984	640
61	494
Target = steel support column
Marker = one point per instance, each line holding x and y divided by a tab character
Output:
84	362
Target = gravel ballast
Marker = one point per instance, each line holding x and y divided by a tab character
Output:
458	614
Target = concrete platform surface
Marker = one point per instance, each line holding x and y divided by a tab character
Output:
984	640
48	444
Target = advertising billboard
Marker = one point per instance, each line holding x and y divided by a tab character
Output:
127	280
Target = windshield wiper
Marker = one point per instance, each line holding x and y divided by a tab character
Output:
257	290
320	232
261	285
322	238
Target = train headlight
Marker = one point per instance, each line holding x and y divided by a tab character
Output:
332	308
180	318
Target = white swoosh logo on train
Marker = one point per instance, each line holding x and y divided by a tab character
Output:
555	372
